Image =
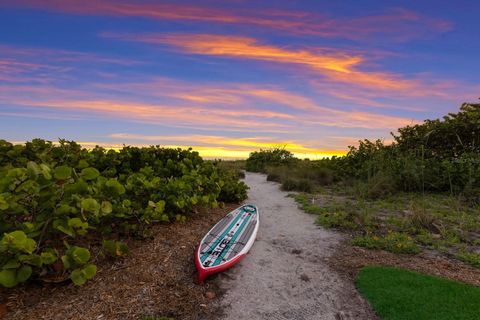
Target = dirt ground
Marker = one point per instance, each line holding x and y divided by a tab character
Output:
156	279
286	274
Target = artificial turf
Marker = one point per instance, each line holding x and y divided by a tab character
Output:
398	294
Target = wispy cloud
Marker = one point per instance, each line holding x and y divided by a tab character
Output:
19	58
303	109
168	115
59	55
42	65
245	47
180	103
215	93
253	76
229	107
396	23
334	65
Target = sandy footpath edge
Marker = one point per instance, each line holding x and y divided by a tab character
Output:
286	274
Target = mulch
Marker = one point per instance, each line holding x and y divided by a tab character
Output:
157	278
348	261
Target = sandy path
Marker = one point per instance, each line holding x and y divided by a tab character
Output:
286	276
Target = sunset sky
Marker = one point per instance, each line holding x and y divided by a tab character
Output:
229	77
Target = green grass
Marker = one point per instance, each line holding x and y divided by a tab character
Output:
397	294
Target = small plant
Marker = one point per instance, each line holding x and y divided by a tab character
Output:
115	248
338	219
420	218
76	259
394	242
425	238
469	257
306	205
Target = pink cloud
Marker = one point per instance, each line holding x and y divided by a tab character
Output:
330	65
170	103
397	24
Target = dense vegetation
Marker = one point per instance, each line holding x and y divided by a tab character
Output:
421	191
56	201
258	161
397	294
440	155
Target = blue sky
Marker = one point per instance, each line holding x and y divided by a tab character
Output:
230	77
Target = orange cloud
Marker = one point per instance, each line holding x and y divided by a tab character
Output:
398	24
340	67
244	47
334	68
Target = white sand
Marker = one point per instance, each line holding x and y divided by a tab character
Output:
285	275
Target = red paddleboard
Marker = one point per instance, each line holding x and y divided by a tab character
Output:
227	242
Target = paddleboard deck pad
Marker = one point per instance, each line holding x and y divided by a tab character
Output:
227	242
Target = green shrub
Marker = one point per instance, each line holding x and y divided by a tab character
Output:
54	199
232	190
324	176
301	170
273	176
302	185
241	174
259	160
377	187
277	174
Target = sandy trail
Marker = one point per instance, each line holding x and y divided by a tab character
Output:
285	275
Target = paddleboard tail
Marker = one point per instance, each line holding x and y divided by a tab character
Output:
205	273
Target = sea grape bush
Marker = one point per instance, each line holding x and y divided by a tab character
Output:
232	191
55	198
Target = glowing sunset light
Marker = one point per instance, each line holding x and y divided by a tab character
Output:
229	78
